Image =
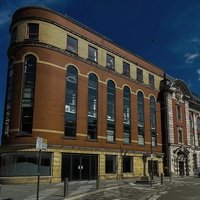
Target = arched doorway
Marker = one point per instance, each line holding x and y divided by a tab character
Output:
181	164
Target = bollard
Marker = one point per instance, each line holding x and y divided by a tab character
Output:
97	182
161	178
65	187
151	179
170	177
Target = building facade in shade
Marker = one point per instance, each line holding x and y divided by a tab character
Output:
182	128
96	103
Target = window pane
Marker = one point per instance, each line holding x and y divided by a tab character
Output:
28	94
92	53
72	44
127	164
111	164
151	80
92	106
140	108
111	111
24	164
33	30
126	69
139	75
110	61
71	102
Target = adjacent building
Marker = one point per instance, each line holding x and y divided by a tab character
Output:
182	127
97	104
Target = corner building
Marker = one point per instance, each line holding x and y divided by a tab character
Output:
96	103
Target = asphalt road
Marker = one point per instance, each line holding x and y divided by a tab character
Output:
179	189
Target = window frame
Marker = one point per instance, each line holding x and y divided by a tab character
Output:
27	102
70	47
92	91
139	76
127	119
178	112
141	124
111	103
70	125
90	56
110	65
130	160
151	80
32	35
113	159
126	69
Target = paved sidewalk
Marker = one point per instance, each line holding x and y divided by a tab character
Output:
76	190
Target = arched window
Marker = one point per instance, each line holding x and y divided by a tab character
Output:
27	105
92	106
71	102
9	93
153	121
110	111
140	107
127	115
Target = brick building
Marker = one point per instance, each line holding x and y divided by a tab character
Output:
96	103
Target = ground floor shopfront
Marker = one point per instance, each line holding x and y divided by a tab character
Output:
20	165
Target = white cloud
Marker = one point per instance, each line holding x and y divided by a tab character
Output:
198	72
191	57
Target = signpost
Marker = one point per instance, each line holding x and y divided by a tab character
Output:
41	144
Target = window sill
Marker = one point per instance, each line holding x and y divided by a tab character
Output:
70	138
91	140
109	142
31	39
24	135
74	53
88	59
127	143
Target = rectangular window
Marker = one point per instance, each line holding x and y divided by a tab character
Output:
33	31
198	124
126	69
110	61
180	136
110	164
198	137
178	112
24	164
72	44
151	80
127	164
192	139
139	75
92	54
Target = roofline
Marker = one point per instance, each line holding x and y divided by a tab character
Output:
88	29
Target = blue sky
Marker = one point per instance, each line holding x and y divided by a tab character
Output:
166	33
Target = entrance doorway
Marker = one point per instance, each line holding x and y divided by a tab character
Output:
181	168
153	167
79	166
